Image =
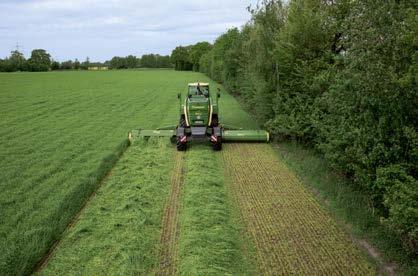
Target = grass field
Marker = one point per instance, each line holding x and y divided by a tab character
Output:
59	132
157	211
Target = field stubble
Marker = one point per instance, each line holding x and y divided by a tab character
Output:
291	232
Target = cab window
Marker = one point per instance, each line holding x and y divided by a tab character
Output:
199	91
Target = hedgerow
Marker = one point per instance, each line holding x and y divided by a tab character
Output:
339	76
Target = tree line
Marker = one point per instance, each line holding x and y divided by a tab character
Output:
338	76
146	61
40	60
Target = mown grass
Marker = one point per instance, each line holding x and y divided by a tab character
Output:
119	231
56	129
291	232
347	203
209	242
60	134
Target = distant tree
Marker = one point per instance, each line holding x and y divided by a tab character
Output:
118	63
76	64
40	60
2	65
180	58
148	61
131	61
155	61
55	65
17	61
86	64
5	65
67	65
197	51
163	61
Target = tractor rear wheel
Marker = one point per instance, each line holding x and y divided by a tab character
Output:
181	146
217	146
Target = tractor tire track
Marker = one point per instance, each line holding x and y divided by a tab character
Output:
170	222
291	232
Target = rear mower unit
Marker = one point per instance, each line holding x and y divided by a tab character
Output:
199	121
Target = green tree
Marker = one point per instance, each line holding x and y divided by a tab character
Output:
76	64
163	62
131	61
303	55
118	63
367	121
67	65
85	64
6	65
17	61
180	58
55	65
40	60
197	51
148	61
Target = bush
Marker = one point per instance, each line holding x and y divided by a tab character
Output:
400	198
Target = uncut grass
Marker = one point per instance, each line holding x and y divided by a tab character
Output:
60	132
292	233
209	242
119	231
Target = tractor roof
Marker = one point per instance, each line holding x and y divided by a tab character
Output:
199	83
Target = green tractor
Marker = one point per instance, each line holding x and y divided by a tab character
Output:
199	121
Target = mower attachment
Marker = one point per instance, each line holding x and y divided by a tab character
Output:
245	136
144	133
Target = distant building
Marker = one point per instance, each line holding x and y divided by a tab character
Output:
98	68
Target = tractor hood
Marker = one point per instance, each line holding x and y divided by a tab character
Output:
198	111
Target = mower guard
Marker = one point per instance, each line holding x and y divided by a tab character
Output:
228	134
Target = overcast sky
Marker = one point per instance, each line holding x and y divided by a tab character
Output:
101	29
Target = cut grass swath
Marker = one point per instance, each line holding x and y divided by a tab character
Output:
170	223
119	232
209	241
291	232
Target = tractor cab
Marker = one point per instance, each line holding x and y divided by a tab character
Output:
198	105
198	90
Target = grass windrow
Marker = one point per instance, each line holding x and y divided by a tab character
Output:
119	231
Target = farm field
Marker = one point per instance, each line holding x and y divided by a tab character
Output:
59	135
291	232
118	232
157	211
